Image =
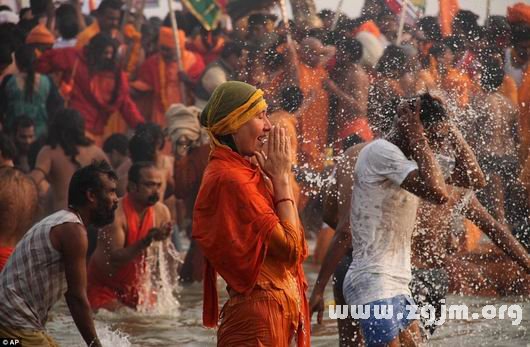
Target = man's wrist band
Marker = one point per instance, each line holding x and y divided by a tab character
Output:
283	200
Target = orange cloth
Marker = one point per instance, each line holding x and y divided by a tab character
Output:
509	89
234	221
86	35
166	38
313	117
519	13
448	10
370	27
210	53
40	35
524	114
458	85
5	252
123	285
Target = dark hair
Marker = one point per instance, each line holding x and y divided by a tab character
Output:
146	140
93	52
38	7
273	60
5	8
136	168
392	60
67	22
497	26
5	55
68	131
109	4
88	179
232	48
7	147
351	48
22	122
431	28
520	33
467	22
117	142
492	74
25	59
432	110
385	118
351	141
256	19
291	98
454	43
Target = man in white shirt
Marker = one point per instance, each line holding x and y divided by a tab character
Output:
386	191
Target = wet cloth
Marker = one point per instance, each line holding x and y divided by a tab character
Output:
382	220
28	338
123	285
234	222
33	279
5	252
381	331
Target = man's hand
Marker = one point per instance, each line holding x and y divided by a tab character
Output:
316	304
409	122
158	234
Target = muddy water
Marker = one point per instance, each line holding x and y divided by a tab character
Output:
182	325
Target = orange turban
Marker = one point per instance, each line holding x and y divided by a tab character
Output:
40	35
519	13
165	38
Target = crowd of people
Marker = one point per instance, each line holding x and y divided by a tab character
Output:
401	149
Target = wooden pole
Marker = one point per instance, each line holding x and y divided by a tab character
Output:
177	43
337	14
290	43
402	22
488	9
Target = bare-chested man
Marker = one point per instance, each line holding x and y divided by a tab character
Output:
350	84
493	137
18	206
115	270
68	149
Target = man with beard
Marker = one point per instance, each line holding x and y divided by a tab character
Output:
23	138
115	268
95	84
50	261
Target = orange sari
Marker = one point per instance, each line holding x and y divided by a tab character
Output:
236	226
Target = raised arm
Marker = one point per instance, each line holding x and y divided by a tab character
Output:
467	172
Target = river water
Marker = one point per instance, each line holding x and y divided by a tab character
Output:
182	326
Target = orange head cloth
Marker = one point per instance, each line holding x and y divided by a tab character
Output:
165	38
40	35
519	13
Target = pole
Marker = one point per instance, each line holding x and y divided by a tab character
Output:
177	43
337	15
402	21
290	43
488	9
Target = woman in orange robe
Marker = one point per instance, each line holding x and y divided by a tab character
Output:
246	223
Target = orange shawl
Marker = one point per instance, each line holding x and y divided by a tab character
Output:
5	252
233	220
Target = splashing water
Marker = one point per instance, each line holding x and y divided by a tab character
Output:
111	338
160	286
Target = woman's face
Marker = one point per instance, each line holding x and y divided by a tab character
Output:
252	135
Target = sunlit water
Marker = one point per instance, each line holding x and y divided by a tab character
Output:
182	327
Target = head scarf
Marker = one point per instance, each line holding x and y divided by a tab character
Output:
519	13
40	35
165	38
231	105
182	120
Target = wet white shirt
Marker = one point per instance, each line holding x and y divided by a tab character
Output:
382	220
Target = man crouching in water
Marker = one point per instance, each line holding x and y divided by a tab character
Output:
50	261
115	269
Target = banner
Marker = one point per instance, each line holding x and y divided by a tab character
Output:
207	12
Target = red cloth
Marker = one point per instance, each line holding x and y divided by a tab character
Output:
5	252
123	285
95	113
233	220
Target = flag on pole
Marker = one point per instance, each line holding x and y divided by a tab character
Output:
413	10
448	10
207	12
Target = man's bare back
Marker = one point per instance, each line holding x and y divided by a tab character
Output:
53	165
18	205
